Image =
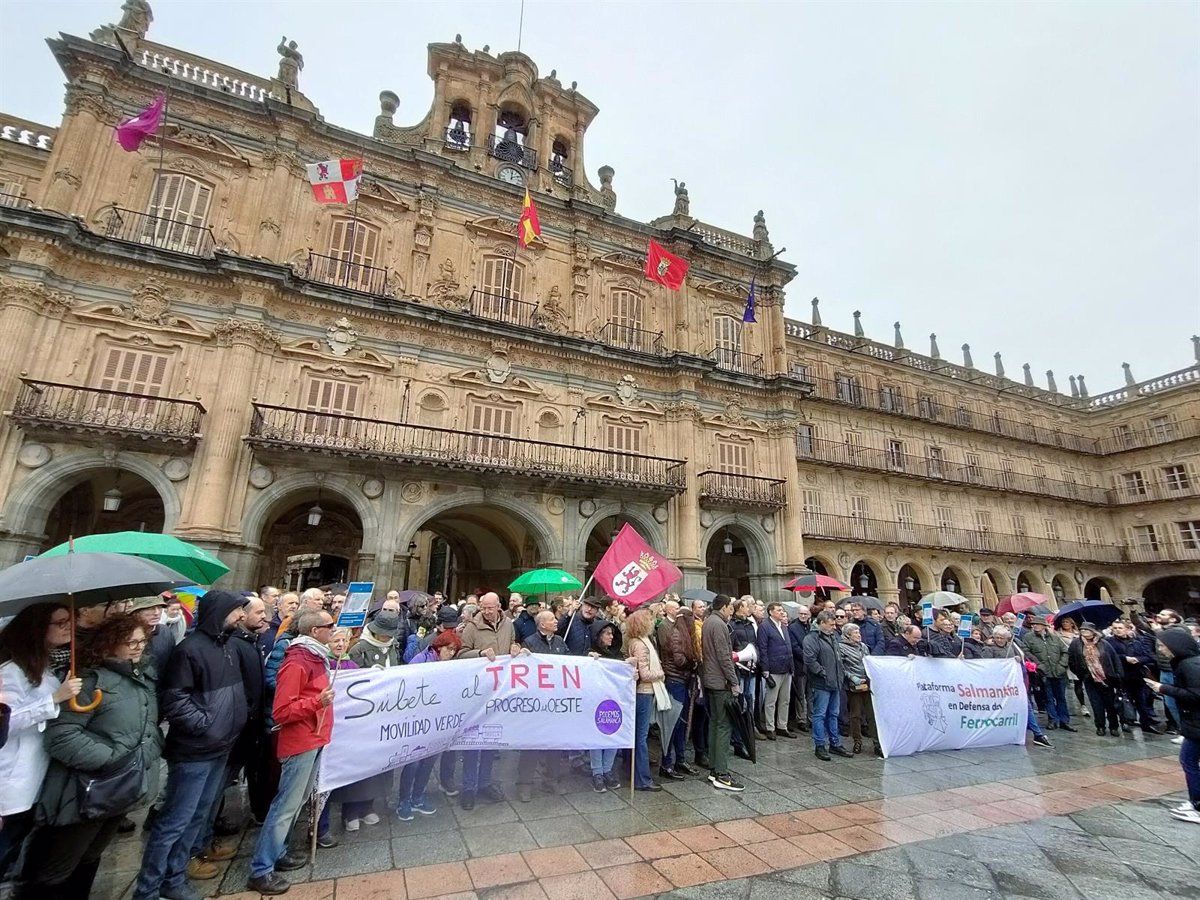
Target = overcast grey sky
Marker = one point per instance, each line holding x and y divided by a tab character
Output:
1021	176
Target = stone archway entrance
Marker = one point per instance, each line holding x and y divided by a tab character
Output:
103	503
314	541
1178	592
728	561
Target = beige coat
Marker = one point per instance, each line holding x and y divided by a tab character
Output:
478	636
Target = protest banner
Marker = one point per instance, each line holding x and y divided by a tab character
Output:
385	718
354	610
946	704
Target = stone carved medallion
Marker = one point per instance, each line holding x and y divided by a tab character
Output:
177	469
341	337
660	514
768	524
411	492
587	508
706	518
555	505
33	456
497	368
261	477
372	488
627	390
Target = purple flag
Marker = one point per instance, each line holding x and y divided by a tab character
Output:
132	132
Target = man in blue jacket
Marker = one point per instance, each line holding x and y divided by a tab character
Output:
870	630
775	657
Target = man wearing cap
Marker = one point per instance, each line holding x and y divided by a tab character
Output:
447	619
1050	654
576	629
987	621
377	646
525	624
149	611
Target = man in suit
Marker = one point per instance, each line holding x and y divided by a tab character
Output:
775	656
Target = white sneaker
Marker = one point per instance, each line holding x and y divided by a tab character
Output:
352	824
1192	815
1183	807
370	819
1177	740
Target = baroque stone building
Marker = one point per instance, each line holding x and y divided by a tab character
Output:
394	392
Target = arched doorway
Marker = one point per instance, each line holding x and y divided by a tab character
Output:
1062	590
1027	582
992	586
315	540
728	561
1178	592
953	580
472	548
1100	588
863	580
908	583
102	503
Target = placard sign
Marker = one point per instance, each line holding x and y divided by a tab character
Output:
965	624
358	599
926	615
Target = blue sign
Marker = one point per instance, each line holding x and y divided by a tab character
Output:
358	599
1020	626
965	625
926	615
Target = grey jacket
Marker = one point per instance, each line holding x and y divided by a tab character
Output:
1048	651
852	656
716	648
822	661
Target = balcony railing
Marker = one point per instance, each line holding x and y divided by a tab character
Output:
160	232
562	174
287	428
1152	436
726	489
458	138
885	533
14	201
738	361
512	151
346	273
1154	491
628	337
502	308
856	456
55	406
1165	551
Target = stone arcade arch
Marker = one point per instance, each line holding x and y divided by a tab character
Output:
1100	587
598	531
1178	592
750	568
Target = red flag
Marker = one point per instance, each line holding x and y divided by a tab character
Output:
666	268
335	180
631	572
528	226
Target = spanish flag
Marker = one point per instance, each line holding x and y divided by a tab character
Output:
528	226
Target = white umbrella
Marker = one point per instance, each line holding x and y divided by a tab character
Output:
942	599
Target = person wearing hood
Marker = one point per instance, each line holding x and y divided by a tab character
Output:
205	705
1184	652
377	646
303	697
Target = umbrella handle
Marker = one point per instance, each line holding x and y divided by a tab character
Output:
78	707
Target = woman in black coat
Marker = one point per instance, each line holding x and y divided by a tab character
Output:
1096	664
1185	663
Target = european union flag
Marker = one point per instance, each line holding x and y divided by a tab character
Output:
748	313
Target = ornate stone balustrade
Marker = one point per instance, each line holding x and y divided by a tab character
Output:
203	72
31	134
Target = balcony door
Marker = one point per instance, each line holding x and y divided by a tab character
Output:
330	399
626	319
503	282
179	211
128	371
727	342
354	246
492	419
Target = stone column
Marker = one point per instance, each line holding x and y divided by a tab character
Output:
684	523
244	344
88	116
790	518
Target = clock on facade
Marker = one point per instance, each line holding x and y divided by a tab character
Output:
509	175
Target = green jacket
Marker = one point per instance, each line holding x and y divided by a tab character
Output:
88	742
1048	651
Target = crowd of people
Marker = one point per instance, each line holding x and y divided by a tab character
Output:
244	690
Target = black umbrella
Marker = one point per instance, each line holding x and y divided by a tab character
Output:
742	719
83	579
702	594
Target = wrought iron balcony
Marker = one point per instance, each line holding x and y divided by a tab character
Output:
346	273
285	428
725	489
738	361
50	406
1165	551
1183	488
160	232
562	174
14	201
890	533
1162	433
458	138
512	151
897	462
628	337
502	308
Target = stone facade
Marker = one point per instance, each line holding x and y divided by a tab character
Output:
205	339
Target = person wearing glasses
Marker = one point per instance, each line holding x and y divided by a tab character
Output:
303	697
33	695
205	705
65	849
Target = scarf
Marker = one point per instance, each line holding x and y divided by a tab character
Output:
1091	655
371	639
313	646
60	661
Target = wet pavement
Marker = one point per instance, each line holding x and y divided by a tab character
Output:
1074	821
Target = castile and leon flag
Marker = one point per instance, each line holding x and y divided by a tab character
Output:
335	180
631	572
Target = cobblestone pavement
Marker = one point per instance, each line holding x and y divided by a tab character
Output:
1081	820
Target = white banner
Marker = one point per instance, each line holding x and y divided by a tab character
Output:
946	704
384	718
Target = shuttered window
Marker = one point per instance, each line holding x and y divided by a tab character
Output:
179	205
805	436
622	437
726	333
491	419
502	277
129	371
355	247
733	457
333	398
626	309
860	506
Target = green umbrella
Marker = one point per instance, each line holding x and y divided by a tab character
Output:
197	565
546	581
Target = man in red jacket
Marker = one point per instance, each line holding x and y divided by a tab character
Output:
304	720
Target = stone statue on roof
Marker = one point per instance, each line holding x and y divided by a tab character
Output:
291	62
136	16
682	203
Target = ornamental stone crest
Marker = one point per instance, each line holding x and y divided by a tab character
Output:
627	390
497	367
149	303
341	337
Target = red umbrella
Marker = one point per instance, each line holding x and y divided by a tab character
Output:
803	584
1019	603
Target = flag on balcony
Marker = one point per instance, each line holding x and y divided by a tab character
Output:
751	305
631	572
132	132
664	267
528	226
335	180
